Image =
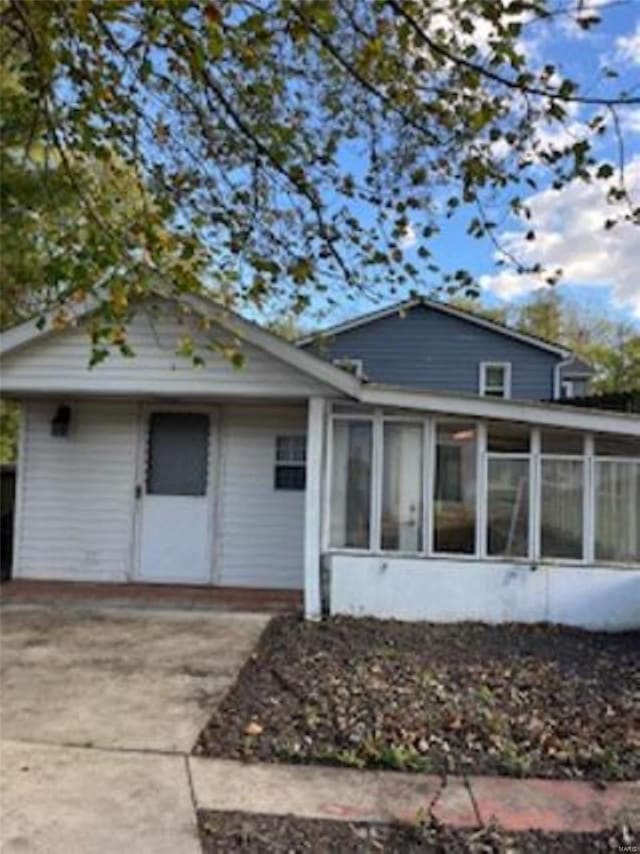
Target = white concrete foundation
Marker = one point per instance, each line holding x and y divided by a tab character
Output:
440	590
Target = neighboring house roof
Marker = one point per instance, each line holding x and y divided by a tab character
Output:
577	368
407	305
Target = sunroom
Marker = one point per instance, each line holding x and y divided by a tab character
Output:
452	517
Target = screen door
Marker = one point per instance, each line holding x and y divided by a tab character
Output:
176	510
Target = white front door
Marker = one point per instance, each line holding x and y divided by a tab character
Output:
177	517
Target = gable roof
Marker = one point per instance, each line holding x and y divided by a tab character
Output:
359	390
445	308
27	333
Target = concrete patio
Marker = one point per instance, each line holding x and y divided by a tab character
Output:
99	708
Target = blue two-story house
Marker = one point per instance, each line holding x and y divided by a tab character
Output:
422	343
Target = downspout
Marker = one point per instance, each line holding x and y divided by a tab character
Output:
557	378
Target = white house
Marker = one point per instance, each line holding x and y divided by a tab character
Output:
293	473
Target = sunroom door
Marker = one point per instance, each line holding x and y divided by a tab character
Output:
176	524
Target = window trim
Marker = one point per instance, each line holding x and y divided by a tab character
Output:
429	422
531	538
480	440
485	388
595	460
327	548
563	458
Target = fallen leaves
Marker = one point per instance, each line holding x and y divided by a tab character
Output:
253	728
514	700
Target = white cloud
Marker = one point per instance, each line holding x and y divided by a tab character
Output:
630	119
628	47
408	239
560	135
570	233
582	9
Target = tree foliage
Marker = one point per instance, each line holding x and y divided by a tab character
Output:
9	427
609	345
277	151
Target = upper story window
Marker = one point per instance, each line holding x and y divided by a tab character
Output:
495	379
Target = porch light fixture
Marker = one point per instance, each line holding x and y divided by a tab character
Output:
60	421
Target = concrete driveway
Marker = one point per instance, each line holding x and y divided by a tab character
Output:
99	709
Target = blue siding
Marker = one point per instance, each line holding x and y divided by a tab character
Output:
427	348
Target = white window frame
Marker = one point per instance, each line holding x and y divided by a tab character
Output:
378	465
565	458
485	389
375	478
595	460
478	426
378	417
289	463
567	390
527	457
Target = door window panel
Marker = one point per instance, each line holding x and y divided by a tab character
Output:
402	487
177	453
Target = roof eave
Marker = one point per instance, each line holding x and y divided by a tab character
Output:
530	412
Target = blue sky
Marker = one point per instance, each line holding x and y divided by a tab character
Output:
600	266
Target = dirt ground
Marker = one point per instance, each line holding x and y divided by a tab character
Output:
512	700
253	834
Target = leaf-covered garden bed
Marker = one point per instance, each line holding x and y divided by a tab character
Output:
467	697
226	832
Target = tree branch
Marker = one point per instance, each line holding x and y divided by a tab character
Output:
445	53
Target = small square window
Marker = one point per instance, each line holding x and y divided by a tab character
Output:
291	449
495	379
290	469
290	477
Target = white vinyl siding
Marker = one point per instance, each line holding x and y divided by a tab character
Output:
261	528
59	363
77	498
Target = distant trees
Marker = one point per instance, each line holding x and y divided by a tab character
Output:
610	345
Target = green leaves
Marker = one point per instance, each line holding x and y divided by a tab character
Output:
605	171
276	155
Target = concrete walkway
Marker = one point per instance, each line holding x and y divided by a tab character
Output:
70	799
390	796
100	709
